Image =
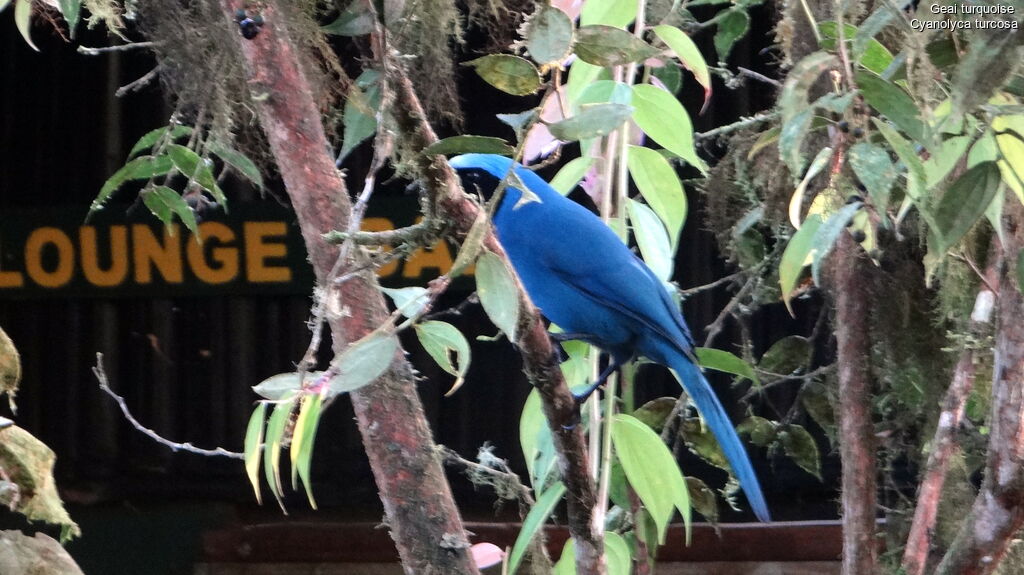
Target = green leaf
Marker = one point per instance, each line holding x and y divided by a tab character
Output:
801	448
795	256
990	58
360	115
510	74
702	499
874	56
272	447
620	561
721	360
363	361
654	413
441	340
238	161
157	207
606	46
254	447
549	35
196	169
796	201
871	27
891	101
150	139
533	523
410	300
4	4
569	176
943	158
652	471
671	76
875	170
664	119
498	294
23	20
659	184
609	12
175	204
827	235
1010	130
964	203
1020	270
469	145
536	442
276	387
70	9
786	355
138	169
355	20
591	121
303	440
760	431
731	27
796	114
581	76
652	238
916	177
688	54
605	91
700	441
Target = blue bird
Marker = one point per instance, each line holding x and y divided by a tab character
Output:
583	278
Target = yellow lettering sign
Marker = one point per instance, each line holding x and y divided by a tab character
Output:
258	249
118	255
149	252
37	241
215	237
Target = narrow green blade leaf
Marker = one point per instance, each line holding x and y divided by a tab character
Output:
360	115
254	447
916	176
533	523
303	437
70	9
178	206
272	447
498	294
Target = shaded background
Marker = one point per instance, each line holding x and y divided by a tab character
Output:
186	364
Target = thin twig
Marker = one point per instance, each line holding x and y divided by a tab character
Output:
101	377
87	51
740	124
136	85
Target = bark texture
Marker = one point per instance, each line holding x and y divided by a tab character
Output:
856	432
998	511
420	511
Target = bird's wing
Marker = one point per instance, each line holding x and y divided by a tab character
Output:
627	285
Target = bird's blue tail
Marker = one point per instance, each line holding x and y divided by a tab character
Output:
720	425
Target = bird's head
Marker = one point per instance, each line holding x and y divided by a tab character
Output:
481	173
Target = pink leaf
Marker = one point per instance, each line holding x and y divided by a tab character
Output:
486	554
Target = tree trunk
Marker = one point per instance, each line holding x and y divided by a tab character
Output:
998	511
419	507
856	432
